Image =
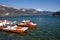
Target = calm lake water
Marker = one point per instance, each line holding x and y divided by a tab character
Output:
48	28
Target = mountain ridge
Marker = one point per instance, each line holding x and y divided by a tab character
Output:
13	11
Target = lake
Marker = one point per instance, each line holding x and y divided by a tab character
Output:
48	28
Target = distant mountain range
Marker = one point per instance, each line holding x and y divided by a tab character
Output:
6	10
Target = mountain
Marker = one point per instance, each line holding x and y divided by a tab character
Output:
56	13
6	10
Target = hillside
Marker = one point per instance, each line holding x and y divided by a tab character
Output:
6	10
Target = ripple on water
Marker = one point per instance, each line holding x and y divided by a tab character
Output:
48	28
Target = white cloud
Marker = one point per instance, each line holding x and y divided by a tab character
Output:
23	10
38	9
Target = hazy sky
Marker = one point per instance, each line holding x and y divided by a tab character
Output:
52	5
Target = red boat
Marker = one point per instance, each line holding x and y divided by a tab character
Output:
15	29
19	28
27	23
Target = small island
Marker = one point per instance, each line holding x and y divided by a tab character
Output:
56	13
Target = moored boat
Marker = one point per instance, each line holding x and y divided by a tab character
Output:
18	27
27	23
15	30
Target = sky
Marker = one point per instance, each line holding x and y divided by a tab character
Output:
48	5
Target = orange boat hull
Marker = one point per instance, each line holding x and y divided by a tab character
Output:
30	26
15	31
